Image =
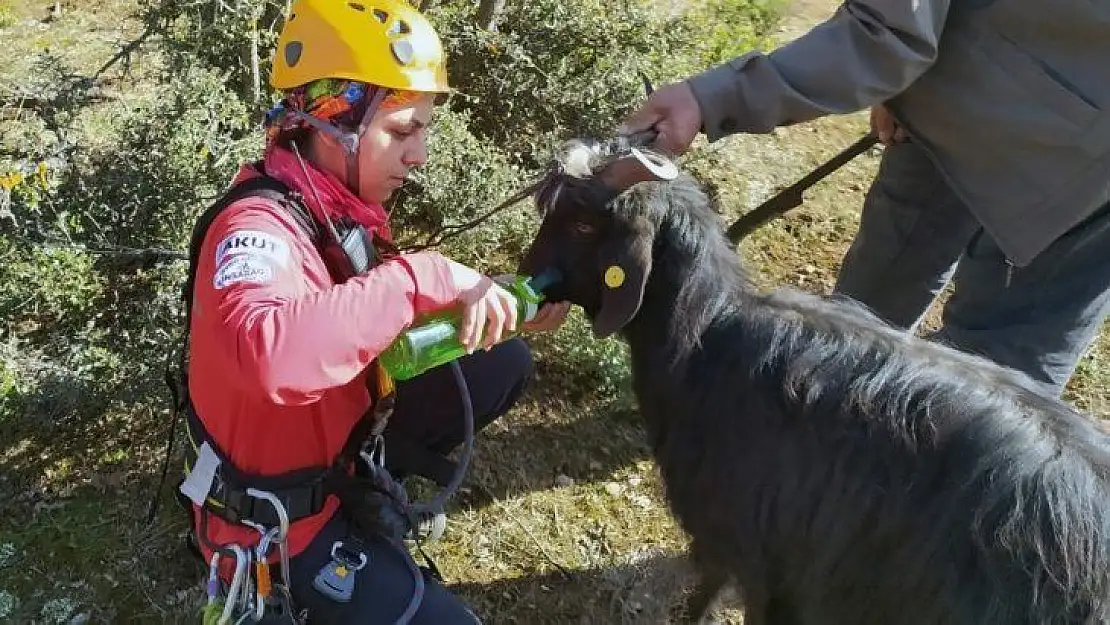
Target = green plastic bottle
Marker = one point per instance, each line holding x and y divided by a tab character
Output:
433	340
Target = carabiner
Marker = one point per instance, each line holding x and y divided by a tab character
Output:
375	456
263	585
283	536
241	563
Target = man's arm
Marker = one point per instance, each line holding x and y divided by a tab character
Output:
866	53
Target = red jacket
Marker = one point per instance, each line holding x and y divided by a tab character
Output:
278	352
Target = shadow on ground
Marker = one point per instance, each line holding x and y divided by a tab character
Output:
640	592
547	439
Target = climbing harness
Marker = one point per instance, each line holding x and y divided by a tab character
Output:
374	504
372	499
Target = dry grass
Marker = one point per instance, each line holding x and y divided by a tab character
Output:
561	519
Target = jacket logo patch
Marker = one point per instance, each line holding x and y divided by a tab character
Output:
253	243
243	269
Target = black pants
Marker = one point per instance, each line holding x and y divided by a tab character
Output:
428	413
383	587
916	235
428	416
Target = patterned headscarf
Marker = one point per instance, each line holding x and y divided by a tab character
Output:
336	101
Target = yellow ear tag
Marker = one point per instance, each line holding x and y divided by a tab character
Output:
614	277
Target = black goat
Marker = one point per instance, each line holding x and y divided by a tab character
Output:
837	470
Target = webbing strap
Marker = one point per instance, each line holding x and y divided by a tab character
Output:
264	186
261	186
383	398
302	492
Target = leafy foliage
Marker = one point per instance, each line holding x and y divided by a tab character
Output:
554	68
223	36
465	177
724	29
43	307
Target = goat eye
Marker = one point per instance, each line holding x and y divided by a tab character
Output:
582	228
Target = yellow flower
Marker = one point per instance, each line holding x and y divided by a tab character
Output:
11	181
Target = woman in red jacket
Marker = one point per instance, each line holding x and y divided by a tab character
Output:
280	353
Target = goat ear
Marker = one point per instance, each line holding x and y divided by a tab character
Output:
625	262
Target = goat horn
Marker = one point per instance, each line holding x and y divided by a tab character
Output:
637	167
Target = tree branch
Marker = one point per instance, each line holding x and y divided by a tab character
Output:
150	253
488	13
126	51
253	91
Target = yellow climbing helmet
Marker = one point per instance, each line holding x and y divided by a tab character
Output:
380	42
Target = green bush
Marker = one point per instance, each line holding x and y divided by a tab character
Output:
11	386
43	289
720	30
167	159
577	364
553	69
217	35
98	321
466	176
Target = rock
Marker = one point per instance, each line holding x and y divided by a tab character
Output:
563	481
8	604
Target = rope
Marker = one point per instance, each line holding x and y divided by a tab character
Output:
437	504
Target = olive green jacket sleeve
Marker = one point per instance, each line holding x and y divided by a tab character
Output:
867	52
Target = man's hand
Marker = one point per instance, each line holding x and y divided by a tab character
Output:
673	112
549	317
884	126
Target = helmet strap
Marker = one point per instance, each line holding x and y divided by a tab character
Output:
352	154
348	140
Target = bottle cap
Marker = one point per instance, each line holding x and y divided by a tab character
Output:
546	278
530	310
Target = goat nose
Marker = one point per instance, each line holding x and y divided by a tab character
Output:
547	278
